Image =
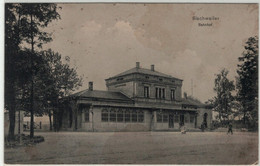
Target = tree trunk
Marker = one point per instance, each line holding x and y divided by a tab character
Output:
55	120
32	84
10	92
244	118
12	119
50	120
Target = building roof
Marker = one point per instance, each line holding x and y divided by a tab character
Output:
194	102
144	71
102	95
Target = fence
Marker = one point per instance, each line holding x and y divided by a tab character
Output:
41	126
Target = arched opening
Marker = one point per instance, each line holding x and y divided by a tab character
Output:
205	117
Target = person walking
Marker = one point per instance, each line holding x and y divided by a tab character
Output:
230	128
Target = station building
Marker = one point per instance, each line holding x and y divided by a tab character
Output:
138	99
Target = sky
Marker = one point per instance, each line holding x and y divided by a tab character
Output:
103	40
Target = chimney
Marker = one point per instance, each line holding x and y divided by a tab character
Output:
90	86
137	65
152	67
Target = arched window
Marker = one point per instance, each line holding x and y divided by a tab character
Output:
165	118
120	115
140	116
159	117
112	115
127	116
134	116
104	115
86	112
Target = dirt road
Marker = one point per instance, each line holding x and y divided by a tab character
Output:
138	148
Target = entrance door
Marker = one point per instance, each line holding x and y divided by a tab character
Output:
205	120
171	121
181	120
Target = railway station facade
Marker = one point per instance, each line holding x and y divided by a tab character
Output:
138	99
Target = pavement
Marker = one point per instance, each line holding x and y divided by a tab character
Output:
138	148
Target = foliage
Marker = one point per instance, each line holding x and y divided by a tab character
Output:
247	80
24	22
12	41
223	101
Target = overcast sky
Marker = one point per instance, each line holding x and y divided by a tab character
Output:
103	40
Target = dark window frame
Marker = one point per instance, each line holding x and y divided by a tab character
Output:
134	116
103	117
159	117
140	116
146	91
127	116
86	116
173	94
112	115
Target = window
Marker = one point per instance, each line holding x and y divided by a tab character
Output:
163	93
159	117
172	94
160	79
104	115
160	93
146	91
120	79
86	115
192	117
120	115
165	117
112	117
147	77
140	116
176	118
134	116
127	116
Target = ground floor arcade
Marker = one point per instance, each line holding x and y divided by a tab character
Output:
86	117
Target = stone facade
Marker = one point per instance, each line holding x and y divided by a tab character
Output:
137	100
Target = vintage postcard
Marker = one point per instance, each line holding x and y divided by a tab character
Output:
131	83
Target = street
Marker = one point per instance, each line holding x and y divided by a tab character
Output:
138	148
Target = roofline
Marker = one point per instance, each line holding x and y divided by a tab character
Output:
143	74
83	97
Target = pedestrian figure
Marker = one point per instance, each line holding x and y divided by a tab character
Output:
183	130
230	128
202	127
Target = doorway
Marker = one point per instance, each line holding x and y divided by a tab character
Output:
171	121
205	117
181	120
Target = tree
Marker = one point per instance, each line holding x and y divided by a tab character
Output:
35	17
223	101
60	81
24	23
247	80
12	41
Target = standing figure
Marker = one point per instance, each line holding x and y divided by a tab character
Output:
202	127
230	128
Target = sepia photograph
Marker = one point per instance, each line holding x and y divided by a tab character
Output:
131	83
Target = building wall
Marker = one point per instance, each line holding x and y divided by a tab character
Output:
126	88
165	125
152	90
133	85
200	116
95	123
150	122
